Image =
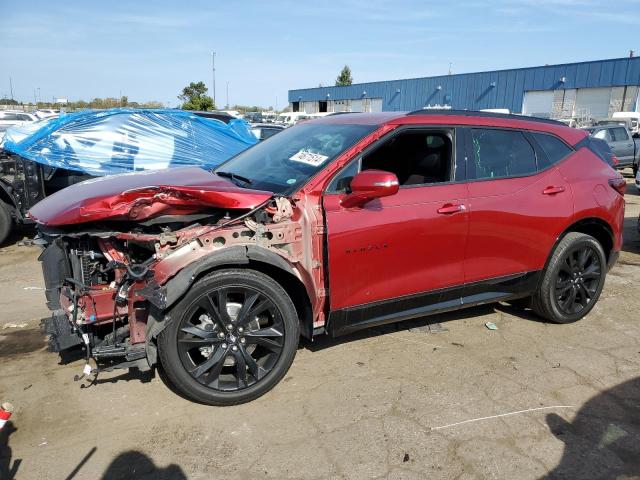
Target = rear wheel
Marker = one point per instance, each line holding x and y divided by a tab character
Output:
5	221
231	338
573	280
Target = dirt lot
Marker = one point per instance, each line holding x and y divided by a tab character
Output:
563	401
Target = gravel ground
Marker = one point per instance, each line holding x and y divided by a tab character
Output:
529	400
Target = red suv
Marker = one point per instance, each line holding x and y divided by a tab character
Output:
331	226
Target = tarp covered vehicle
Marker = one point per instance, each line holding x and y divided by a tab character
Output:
44	157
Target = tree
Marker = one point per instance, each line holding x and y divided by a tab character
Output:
344	78
194	97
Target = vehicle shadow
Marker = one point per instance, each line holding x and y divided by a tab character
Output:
603	441
422	324
630	235
7	469
135	465
18	234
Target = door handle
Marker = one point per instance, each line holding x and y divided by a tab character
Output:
552	190
449	208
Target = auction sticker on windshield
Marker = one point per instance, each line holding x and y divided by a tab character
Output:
310	158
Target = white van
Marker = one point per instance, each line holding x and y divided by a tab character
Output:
632	118
291	118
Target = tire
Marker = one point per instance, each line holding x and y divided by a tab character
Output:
227	356
576	270
5	222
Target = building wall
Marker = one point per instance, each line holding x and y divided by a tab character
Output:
475	91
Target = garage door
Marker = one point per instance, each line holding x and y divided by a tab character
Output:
356	106
538	103
376	104
593	101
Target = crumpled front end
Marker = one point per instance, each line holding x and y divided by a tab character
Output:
110	282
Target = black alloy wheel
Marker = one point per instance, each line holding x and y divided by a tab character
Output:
573	279
231	338
578	279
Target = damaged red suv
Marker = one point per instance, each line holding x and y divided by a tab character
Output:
331	226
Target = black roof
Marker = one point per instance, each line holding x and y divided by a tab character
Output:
474	113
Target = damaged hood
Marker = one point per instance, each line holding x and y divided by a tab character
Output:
139	196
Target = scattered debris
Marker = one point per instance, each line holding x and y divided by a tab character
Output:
28	387
457	344
14	325
556	365
6	409
27	242
491	326
406	457
360	364
437	328
33	288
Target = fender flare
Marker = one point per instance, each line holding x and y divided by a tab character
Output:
174	289
178	285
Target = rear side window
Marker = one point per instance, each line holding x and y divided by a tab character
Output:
619	134
553	148
502	154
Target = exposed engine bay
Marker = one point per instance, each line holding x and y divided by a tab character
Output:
111	281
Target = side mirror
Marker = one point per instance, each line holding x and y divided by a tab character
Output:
370	184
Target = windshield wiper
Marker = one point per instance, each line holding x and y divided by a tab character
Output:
234	176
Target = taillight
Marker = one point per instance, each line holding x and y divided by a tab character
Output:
619	184
614	161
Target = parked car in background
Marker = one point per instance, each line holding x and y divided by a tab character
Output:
262	131
332	226
10	118
623	144
47	112
269	117
253	117
632	117
289	119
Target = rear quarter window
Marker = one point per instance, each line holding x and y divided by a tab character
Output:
502	154
554	149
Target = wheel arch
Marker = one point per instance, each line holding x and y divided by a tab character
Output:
5	196
247	256
594	226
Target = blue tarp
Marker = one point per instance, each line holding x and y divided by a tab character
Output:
124	140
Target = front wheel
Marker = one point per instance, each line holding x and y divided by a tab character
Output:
573	280
5	222
231	338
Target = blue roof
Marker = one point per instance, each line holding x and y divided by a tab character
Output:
474	91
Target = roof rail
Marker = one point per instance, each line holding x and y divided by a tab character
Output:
474	113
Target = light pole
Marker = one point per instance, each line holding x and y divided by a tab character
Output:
213	66
227	95
39	97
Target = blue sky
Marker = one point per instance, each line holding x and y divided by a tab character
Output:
150	50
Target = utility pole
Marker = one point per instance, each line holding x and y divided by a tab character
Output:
213	65
227	95
35	99
11	87
39	97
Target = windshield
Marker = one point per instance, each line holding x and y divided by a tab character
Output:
284	162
